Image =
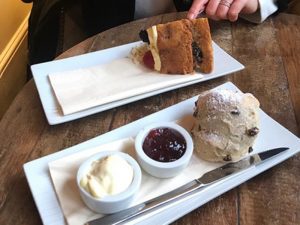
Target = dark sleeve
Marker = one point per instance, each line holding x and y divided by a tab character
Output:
100	15
182	5
46	22
43	30
282	5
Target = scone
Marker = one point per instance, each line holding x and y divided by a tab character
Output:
226	125
180	47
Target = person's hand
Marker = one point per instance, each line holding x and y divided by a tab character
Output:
222	9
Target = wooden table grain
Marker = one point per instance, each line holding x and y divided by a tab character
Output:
271	55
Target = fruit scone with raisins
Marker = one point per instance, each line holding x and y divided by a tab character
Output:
226	125
178	47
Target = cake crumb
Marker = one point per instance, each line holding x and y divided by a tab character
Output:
137	53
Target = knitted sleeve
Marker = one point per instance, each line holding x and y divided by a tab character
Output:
266	8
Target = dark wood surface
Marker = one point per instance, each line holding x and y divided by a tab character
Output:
271	55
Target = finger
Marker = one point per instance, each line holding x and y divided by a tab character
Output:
211	8
196	8
235	9
223	9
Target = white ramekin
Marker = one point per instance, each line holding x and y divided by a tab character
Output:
111	203
163	169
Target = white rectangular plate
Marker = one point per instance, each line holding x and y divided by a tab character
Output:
271	135
224	64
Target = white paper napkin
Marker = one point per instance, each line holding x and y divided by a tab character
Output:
80	89
63	173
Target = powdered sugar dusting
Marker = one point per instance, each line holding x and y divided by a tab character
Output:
222	97
211	137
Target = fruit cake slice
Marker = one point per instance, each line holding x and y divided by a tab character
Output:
180	47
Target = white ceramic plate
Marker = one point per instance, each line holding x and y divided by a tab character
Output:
272	135
224	64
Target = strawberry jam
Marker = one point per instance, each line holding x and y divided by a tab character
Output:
164	144
148	60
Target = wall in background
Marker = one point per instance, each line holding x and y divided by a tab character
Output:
13	13
13	50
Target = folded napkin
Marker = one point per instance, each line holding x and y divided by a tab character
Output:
63	173
84	88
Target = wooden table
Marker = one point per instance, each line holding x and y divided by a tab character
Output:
271	55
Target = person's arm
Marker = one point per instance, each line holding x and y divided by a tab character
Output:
253	10
222	9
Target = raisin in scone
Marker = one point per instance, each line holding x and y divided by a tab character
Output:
226	125
180	47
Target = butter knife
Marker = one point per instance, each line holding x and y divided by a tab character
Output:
185	190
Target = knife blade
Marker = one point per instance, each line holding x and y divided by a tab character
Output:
192	186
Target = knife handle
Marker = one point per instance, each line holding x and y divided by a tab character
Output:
142	208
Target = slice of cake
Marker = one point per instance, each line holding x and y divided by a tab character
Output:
180	47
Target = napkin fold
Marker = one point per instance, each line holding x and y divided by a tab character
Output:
80	89
63	173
